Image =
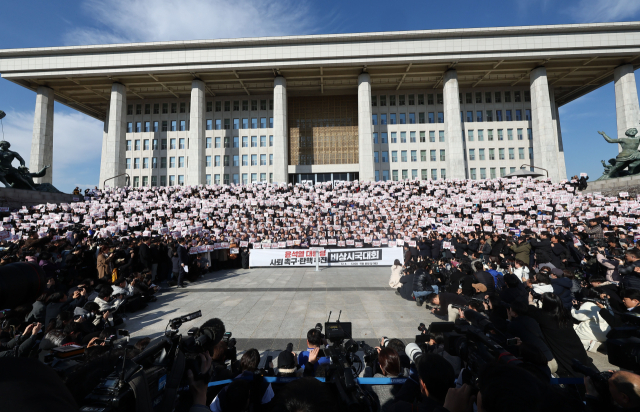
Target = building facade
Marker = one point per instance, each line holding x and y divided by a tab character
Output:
468	103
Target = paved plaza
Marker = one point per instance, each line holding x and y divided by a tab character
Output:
267	308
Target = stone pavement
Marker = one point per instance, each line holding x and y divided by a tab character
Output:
267	308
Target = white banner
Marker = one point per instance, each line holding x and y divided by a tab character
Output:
328	257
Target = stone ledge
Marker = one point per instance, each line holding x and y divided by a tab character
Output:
16	198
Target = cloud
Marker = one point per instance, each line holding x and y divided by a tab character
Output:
590	11
77	146
125	21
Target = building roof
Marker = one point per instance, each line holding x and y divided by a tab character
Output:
579	58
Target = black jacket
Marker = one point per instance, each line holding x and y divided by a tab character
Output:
145	256
486	279
630	279
519	293
422	281
542	249
406	290
562	288
447	299
528	330
558	254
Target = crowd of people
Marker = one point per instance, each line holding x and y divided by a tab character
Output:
552	268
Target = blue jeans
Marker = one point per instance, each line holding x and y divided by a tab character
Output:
425	293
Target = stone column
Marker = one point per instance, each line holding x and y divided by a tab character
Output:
195	154
114	152
545	142
555	116
365	130
456	167
42	139
627	109
280	135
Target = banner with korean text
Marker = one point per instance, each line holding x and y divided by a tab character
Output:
328	257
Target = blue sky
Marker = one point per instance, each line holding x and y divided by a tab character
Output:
77	138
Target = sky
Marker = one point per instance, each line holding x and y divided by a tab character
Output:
78	138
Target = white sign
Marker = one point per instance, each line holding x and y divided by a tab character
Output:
328	257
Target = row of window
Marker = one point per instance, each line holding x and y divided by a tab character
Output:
216	161
383	156
414	174
184	107
469	98
492	172
501	153
183	143
430	117
183	125
384	137
179	179
471	134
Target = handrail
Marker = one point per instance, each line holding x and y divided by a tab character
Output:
121	174
537	167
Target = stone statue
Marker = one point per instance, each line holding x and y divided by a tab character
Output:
20	178
628	158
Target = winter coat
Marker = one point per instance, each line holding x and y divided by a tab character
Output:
422	281
591	323
542	249
486	279
396	274
406	290
522	251
562	288
611	266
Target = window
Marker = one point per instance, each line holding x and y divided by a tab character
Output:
136	163
263	122
403	118
401	100
375	138
145	162
529	134
434	174
236	142
130	109
527	96
432	136
469	117
263	160
422	119
376	157
218	124
500	137
138	109
155	126
254	105
245	179
489	115
440	117
403	137
421	99
383	100
492	154
480	135
439	98
414	174
412	137
128	145
136	181
236	160
478	97
173	125
405	174
516	96
174	108
472	173
483	173
498	97
432	118
527	114
138	127
377	175
227	124
507	97
271	160
209	107
487	97
423	155
414	155
423	137
208	161
519	134
521	153
164	126
374	119
503	171
270	140
183	125
263	141
216	160
512	169
500	154
181	144
181	180
165	108
236	124
254	122
430	99
254	160
374	101
226	143
163	163
412	100
441	135
518	114
470	135
392	100
468	98
492	172
383	138
225	160
394	175
183	107
137	145
442	156
394	156
271	122
147	126
245	123
472	154
181	161
263	105
227	106
509	134
443	173
393	137
172	180
479	116
254	141
385	157
490	135
254	177
245	160
245	141
128	161
145	144
480	154
499	115
392	118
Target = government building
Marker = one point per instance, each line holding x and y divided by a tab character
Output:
437	104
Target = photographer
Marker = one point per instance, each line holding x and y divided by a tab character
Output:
445	300
522	251
22	343
631	301
514	290
631	271
423	283
428	390
309	359
528	330
611	265
624	389
592	329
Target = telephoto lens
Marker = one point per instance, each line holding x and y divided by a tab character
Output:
385	341
319	326
413	351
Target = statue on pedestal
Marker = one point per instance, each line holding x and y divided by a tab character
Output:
20	178
628	158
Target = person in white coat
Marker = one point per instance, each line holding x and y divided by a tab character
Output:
592	329
396	274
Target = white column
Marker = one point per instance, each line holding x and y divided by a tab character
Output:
42	139
545	142
555	116
196	152
627	109
456	168
365	130
114	152
280	135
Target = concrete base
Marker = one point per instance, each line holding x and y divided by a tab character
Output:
610	187
16	198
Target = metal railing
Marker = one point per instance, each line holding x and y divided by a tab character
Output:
104	184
